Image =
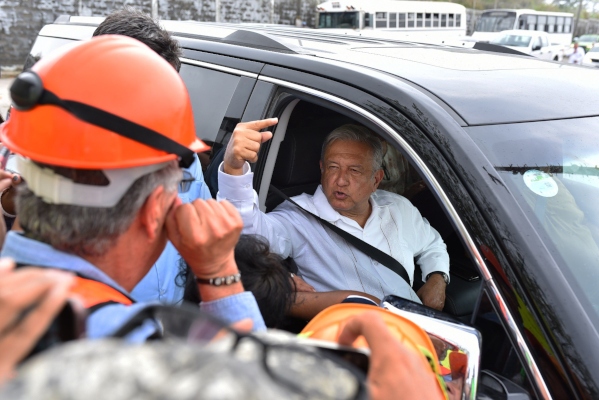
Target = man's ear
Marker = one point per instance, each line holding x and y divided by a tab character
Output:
152	213
378	177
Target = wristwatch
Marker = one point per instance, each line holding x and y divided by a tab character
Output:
443	274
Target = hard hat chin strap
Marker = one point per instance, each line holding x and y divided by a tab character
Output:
56	189
27	91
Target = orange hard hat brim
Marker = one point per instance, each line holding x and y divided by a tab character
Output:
329	324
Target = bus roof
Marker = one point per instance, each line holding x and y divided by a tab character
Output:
390	6
529	11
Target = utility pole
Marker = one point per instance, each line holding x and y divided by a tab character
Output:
154	9
272	11
577	18
217	11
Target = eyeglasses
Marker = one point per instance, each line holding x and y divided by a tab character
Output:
306	371
185	183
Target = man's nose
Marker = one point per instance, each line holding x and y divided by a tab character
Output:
342	179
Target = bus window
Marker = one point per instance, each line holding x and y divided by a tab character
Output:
381	20
401	21
531	22
443	20
436	20
339	20
550	24
419	17
541	23
450	20
496	21
568	25
411	19
560	24
392	20
428	20
458	20
522	22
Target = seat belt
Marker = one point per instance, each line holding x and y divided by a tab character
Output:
371	251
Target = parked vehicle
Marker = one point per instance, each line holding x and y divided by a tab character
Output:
534	43
557	25
394	18
591	58
587	41
505	146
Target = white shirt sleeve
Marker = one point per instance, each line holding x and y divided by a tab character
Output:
239	191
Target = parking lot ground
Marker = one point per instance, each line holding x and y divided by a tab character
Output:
4	95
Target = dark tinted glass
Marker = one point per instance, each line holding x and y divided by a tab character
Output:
210	92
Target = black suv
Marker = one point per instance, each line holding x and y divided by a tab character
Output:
502	149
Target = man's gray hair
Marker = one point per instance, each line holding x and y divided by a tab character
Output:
357	133
89	231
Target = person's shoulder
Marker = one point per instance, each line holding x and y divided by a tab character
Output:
385	198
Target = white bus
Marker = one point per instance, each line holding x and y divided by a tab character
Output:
558	25
396	17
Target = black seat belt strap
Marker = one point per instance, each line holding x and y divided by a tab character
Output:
371	251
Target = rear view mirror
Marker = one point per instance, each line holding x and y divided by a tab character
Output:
458	345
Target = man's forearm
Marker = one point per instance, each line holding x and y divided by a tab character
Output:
308	304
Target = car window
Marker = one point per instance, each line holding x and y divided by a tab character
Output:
512	40
211	93
551	168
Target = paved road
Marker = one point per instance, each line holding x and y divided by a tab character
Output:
4	95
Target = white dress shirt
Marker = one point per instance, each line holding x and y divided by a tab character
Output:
325	260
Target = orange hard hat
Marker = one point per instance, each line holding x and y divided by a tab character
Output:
329	323
106	103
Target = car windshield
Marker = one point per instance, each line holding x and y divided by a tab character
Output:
587	38
512	40
552	169
339	20
594	50
496	21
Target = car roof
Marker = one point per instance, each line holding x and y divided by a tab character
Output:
481	87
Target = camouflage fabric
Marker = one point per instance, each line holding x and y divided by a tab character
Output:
112	369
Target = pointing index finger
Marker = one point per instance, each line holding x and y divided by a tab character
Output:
259	124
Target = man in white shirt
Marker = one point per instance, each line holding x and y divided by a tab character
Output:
576	55
348	198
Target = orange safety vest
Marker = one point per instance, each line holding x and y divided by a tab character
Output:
93	293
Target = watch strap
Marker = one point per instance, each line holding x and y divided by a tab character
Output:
443	274
221	280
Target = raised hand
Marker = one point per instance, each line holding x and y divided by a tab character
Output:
245	144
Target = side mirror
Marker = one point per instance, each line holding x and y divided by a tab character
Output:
536	47
455	342
464	340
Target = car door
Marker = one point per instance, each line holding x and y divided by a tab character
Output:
426	134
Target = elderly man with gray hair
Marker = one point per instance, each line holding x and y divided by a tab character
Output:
348	198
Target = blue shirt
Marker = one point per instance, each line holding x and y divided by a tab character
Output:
161	281
108	319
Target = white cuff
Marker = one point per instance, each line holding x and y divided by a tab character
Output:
236	187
